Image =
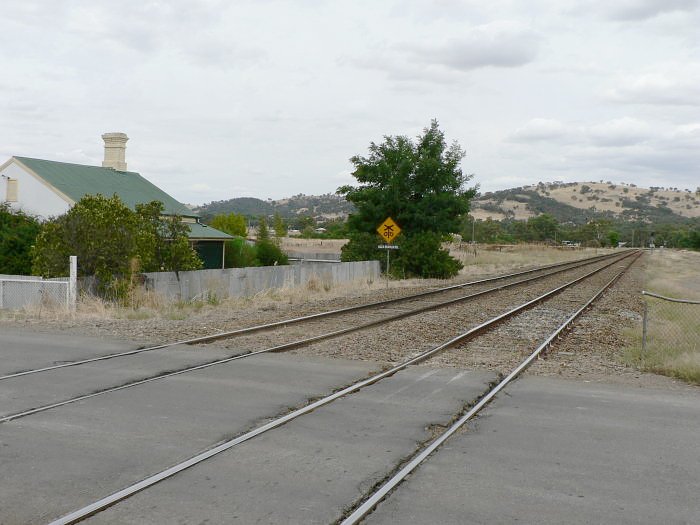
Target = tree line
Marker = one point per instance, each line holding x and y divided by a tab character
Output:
593	233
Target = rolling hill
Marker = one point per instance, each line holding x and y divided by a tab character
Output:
578	201
321	207
573	202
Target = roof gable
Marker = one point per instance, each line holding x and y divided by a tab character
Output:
78	180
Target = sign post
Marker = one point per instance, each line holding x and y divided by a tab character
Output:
388	230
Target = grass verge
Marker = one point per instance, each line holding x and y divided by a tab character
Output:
673	329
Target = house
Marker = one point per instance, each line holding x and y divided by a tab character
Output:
46	188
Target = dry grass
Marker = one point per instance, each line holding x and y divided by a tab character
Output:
485	259
673	329
149	305
298	245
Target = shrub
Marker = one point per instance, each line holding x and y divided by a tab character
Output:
269	254
422	255
17	234
362	247
239	254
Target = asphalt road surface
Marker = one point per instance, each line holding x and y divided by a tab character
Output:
563	452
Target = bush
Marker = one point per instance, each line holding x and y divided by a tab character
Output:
269	254
17	234
239	254
101	231
362	247
422	255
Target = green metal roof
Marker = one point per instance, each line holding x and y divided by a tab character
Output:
200	231
78	180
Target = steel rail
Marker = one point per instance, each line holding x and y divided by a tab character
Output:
285	346
277	324
93	508
380	493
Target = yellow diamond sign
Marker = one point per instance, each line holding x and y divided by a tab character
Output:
388	229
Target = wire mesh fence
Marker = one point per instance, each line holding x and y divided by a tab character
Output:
17	292
670	323
671	335
22	291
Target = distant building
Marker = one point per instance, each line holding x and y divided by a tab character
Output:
46	188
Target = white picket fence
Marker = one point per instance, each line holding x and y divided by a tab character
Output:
21	291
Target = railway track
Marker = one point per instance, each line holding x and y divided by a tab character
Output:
364	507
602	278
299	339
363	308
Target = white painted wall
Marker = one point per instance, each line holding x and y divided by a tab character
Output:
34	197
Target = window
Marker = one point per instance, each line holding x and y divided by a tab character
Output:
11	195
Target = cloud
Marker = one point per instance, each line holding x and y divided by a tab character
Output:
644	152
667	85
212	51
497	44
343	177
541	129
619	132
199	188
632	10
23	109
687	136
399	70
615	133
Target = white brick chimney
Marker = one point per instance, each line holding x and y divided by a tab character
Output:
115	151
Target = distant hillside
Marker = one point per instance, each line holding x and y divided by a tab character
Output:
321	207
248	206
576	202
569	202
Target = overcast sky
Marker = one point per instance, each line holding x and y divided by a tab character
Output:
268	99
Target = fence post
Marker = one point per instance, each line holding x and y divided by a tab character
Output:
73	282
644	328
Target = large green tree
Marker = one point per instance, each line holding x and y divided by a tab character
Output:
421	186
17	234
